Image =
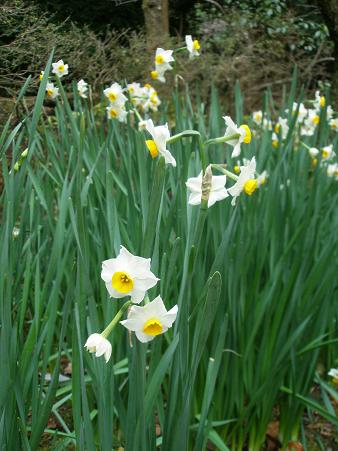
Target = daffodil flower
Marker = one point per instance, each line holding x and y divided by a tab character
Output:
157	145
282	127
158	75
332	170
237	135
163	58
319	100
82	88
41	75
334	124
60	68
128	275
100	345
313	151
116	112
193	46
115	94
151	320
257	117
334	374
217	189
327	152
262	178
52	91
246	181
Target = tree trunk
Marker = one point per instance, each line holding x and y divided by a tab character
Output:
156	18
329	10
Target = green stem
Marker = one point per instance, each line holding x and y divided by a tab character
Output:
305	145
220	168
222	139
116	319
185	134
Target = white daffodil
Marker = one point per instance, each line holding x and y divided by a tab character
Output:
41	75
275	140
243	132
52	91
334	374
302	111
257	117
282	127
334	124
157	145
100	345
312	119
116	111
307	129
332	170
329	112
313	151
327	152
151	320
128	275
217	190
142	125
319	101
246	181
158	75
135	93
115	94
262	178
60	68
193	46
163	58
82	88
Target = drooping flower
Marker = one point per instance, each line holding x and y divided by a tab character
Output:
237	135
246	181
52	91
313	151
128	275
82	88
100	345
157	145
115	94
116	111
193	46
60	68
217	190
151	320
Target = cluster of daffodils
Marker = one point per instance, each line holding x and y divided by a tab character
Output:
130	275
117	102
60	69
145	98
164	58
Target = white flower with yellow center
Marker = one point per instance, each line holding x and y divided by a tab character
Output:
313	151
217	190
60	68
257	117
302	111
100	345
319	101
246	181
115	94
334	374
135	92
82	88
275	140
193	46
262	178
332	170
282	127
52	91
128	275
243	132
41	75
267	124
327	152
163	58
334	124
312	119
117	111
157	145
158	75
151	320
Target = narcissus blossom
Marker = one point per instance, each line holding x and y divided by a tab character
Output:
246	181
151	320
52	91
193	46
257	117
115	94
100	345
319	100
282	127
334	374
41	75
82	88
313	151
217	191
157	145
128	275
334	124
332	170
327	152
243	132
262	178
60	68
163	58
116	111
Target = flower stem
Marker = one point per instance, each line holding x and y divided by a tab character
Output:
116	319
222	139
220	168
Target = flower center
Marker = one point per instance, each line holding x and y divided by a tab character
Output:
275	143
154	74
41	75
113	113
152	147
147	85
112	96
315	119
61	68
122	282
314	162
131	90
247	136
50	92
153	327
159	59
277	128
250	186
325	154
322	101
236	169
196	45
